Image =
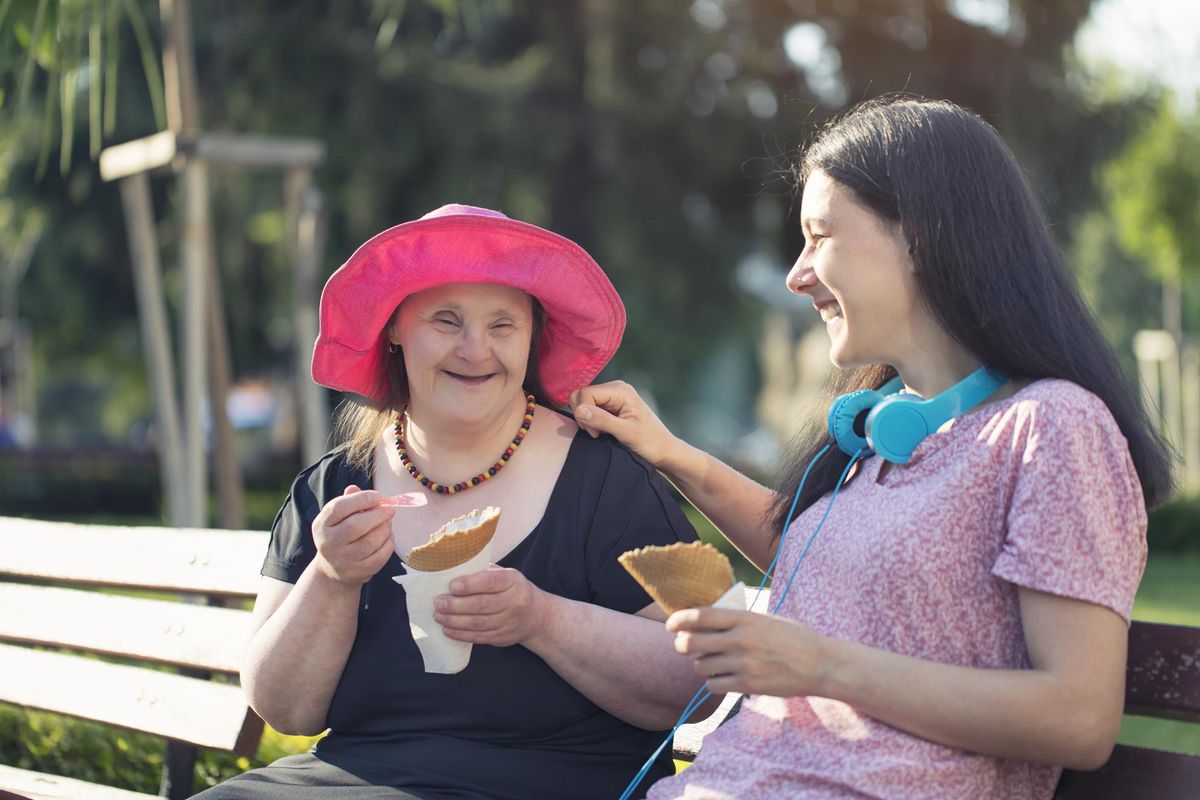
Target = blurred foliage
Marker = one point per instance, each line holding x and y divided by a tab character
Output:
1153	192
50	743
655	135
1121	292
58	745
1172	527
112	486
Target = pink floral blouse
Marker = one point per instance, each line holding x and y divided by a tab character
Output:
1037	490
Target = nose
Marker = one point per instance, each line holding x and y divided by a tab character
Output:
473	343
802	277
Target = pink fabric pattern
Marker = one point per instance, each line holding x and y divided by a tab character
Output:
1037	490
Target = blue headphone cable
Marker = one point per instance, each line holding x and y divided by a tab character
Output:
703	694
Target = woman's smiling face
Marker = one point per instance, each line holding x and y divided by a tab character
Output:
466	349
856	268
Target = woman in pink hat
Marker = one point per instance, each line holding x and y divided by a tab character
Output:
462	332
950	601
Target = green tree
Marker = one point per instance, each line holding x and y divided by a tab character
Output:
1153	190
653	134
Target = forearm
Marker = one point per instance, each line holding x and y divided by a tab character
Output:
623	663
295	660
736	505
1026	714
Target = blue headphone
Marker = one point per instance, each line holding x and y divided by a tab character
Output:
892	424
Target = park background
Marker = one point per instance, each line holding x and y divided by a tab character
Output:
657	135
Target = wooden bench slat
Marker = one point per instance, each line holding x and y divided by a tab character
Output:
213	562
41	786
193	711
182	634
1134	773
689	737
1163	677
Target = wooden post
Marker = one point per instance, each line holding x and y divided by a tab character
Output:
195	330
306	240
1190	365
1172	406
231	506
1150	348
179	65
152	313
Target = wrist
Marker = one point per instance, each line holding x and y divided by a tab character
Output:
673	459
325	578
834	675
546	609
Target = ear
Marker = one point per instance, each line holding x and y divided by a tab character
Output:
392	331
905	246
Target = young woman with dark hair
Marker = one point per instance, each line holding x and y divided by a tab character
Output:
958	626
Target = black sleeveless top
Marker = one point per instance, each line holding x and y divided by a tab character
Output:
507	726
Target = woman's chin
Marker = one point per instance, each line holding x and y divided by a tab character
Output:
842	359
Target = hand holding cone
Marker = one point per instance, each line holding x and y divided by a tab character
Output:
680	575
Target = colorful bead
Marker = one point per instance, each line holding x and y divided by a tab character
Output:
398	429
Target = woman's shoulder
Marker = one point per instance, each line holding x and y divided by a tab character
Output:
1056	404
1058	393
606	453
331	472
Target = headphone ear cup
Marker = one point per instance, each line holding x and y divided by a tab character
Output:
896	426
847	420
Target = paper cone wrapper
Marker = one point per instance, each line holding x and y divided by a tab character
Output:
734	599
440	653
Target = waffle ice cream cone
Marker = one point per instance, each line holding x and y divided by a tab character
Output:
680	575
456	542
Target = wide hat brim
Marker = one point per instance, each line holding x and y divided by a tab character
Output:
585	316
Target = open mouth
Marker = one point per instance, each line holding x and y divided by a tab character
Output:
830	312
471	380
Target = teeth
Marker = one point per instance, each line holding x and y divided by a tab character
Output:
830	311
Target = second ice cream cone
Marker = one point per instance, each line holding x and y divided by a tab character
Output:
680	575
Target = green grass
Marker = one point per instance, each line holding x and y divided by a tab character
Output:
1170	590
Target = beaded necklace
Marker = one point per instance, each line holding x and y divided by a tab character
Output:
442	488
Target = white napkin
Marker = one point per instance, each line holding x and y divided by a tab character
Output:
440	653
733	599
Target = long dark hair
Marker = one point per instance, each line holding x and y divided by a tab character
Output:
986	265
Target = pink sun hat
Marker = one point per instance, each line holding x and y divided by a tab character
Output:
464	244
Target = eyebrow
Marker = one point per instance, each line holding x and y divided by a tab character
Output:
457	308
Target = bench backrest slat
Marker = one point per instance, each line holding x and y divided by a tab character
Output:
180	634
40	786
224	563
1134	773
1163	678
199	712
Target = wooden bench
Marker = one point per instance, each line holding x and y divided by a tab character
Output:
165	666
1162	681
